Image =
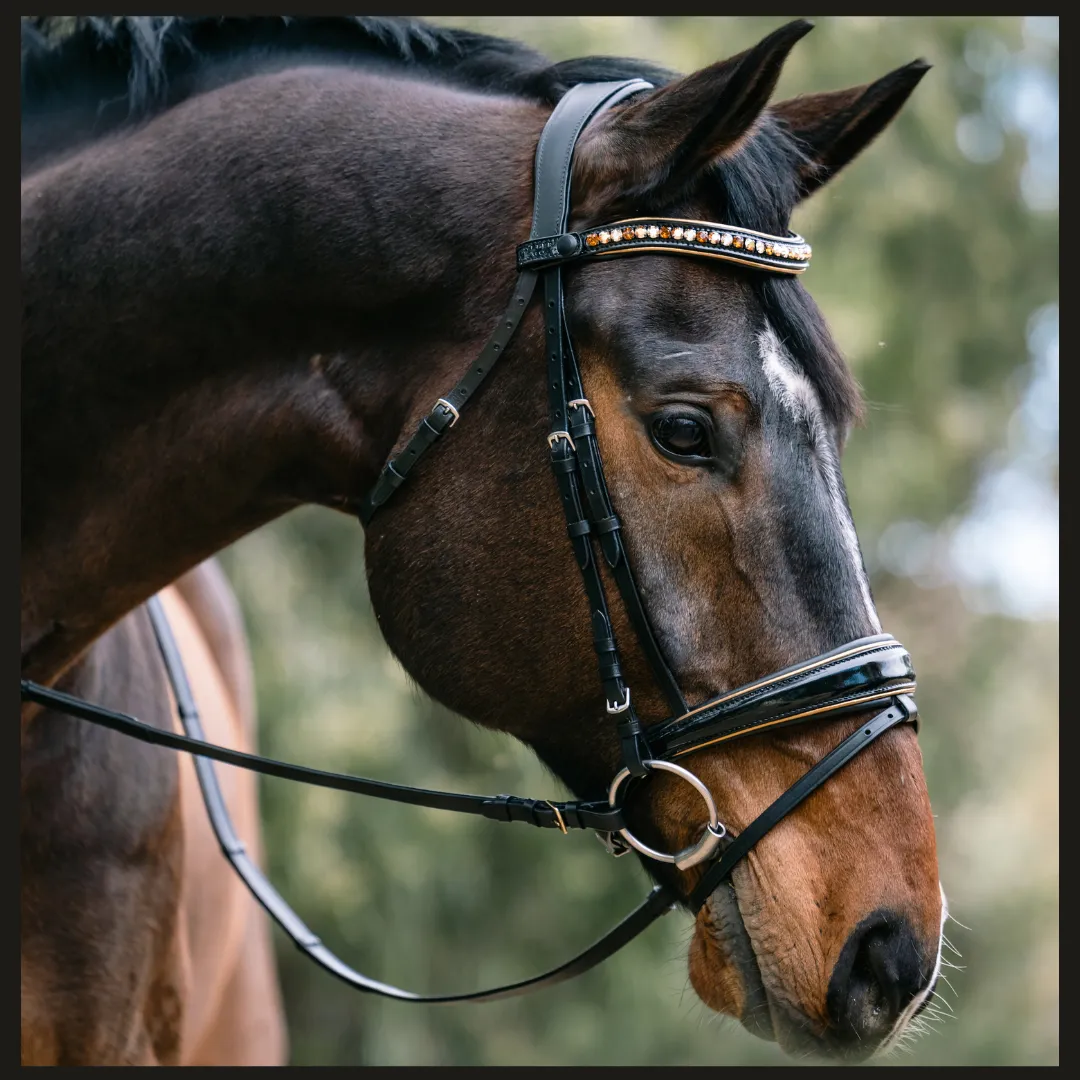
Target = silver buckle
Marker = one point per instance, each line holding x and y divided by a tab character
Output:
582	403
555	436
615	707
710	838
450	409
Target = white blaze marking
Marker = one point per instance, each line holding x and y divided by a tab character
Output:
796	393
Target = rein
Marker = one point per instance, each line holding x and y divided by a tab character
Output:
868	672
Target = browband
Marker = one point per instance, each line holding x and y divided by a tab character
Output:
749	247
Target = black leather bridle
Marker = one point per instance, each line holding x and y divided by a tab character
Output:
869	672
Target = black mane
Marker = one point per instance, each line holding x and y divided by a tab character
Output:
136	65
85	76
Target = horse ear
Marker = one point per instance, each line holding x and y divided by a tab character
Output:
669	136
836	126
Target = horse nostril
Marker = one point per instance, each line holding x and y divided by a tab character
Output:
879	972
878	959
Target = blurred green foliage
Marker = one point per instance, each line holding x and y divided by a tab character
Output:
928	265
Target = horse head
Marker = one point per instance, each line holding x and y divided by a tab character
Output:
721	408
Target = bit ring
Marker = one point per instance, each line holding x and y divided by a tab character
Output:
710	838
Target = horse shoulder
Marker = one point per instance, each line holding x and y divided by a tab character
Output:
234	1013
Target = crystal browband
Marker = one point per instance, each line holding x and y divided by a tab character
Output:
748	247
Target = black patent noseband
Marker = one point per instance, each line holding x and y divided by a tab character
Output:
869	672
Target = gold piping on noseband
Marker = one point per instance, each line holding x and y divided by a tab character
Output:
793	673
884	695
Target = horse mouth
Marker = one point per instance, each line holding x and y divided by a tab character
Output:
725	923
762	1015
775	1021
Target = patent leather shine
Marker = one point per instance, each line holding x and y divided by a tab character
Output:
842	680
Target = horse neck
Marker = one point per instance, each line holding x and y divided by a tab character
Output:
237	309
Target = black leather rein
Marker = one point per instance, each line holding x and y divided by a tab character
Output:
857	677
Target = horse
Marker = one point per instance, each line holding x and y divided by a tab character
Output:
254	252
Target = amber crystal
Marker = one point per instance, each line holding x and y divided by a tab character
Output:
592	239
665	232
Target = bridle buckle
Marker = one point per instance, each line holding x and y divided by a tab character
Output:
450	409
614	707
555	436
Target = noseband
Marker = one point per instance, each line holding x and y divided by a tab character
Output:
857	677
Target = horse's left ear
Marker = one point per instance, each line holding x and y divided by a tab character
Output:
836	126
663	141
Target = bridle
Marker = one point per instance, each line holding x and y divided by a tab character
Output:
868	672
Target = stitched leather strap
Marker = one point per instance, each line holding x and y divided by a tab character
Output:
657	903
441	416
545	815
553	156
555	150
605	525
856	676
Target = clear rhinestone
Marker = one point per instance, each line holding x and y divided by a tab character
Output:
677	232
726	238
605	236
654	231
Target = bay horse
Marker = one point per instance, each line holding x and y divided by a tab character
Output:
254	251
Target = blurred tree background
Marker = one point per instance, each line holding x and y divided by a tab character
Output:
936	265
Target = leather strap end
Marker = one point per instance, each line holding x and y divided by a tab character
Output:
547	251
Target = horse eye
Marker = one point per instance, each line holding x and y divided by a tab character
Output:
681	437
